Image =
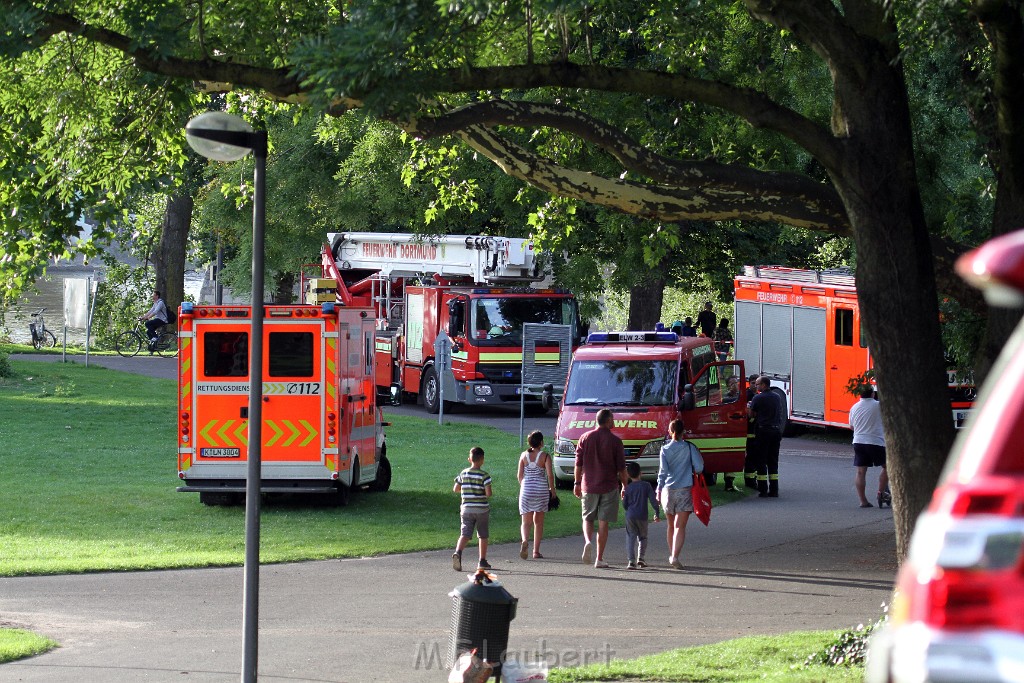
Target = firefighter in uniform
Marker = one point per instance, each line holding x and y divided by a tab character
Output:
767	412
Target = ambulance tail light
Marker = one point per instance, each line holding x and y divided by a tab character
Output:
332	427
185	427
181	474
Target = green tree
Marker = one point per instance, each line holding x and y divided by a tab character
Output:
823	84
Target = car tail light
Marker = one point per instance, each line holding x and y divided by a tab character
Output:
965	567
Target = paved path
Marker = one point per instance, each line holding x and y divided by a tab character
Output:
808	560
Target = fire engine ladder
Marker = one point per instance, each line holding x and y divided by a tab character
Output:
483	260
834	276
387	306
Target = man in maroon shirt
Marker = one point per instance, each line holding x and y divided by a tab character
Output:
600	479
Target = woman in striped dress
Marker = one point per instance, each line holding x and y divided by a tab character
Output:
536	485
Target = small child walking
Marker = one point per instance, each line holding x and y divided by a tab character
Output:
475	487
637	495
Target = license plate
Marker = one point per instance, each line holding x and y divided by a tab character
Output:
220	452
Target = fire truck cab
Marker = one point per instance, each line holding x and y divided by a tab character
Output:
471	287
649	379
321	422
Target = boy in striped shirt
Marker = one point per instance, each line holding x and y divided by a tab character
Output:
475	486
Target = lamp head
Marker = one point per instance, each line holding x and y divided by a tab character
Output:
217	121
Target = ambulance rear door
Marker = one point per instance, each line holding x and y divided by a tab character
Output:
293	398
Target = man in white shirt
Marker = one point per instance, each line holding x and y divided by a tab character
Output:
869	445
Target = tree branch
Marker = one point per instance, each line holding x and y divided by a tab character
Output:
711	177
754	107
275	82
723	201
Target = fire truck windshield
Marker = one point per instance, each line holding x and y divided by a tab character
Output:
498	321
622	382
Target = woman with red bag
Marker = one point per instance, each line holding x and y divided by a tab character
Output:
679	460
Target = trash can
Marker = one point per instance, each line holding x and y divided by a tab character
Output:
481	613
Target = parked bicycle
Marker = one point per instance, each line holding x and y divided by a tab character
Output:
130	342
41	337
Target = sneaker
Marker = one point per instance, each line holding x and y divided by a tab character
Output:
631	565
457	561
586	554
600	564
640	564
730	487
483	564
675	564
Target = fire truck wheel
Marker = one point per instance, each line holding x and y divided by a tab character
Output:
431	391
383	481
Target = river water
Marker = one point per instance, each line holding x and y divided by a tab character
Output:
51	297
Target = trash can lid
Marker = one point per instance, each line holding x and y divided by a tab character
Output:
483	590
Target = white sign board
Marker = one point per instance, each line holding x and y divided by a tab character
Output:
77	293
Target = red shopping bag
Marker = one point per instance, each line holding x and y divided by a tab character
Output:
701	499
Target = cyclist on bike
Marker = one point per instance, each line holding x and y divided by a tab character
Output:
156	317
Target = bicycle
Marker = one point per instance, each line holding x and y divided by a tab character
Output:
41	337
130	342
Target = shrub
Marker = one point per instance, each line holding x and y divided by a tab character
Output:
850	648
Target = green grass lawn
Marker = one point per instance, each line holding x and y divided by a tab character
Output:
90	473
89	477
16	643
760	658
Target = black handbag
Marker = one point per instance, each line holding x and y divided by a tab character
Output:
553	501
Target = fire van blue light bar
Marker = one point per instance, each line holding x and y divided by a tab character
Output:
650	337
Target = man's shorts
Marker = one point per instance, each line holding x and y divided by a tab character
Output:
474	518
601	506
868	455
674	501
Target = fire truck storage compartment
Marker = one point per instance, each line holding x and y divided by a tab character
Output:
809	363
793	351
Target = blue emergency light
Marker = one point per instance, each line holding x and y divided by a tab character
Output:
649	337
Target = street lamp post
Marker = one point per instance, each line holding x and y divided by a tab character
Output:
226	137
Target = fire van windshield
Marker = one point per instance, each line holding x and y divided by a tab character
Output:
618	382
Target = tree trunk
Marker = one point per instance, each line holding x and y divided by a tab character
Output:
895	282
645	299
1005	27
169	258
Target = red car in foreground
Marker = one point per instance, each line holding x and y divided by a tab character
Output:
958	611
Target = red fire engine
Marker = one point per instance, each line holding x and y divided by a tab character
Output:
803	329
322	429
470	287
